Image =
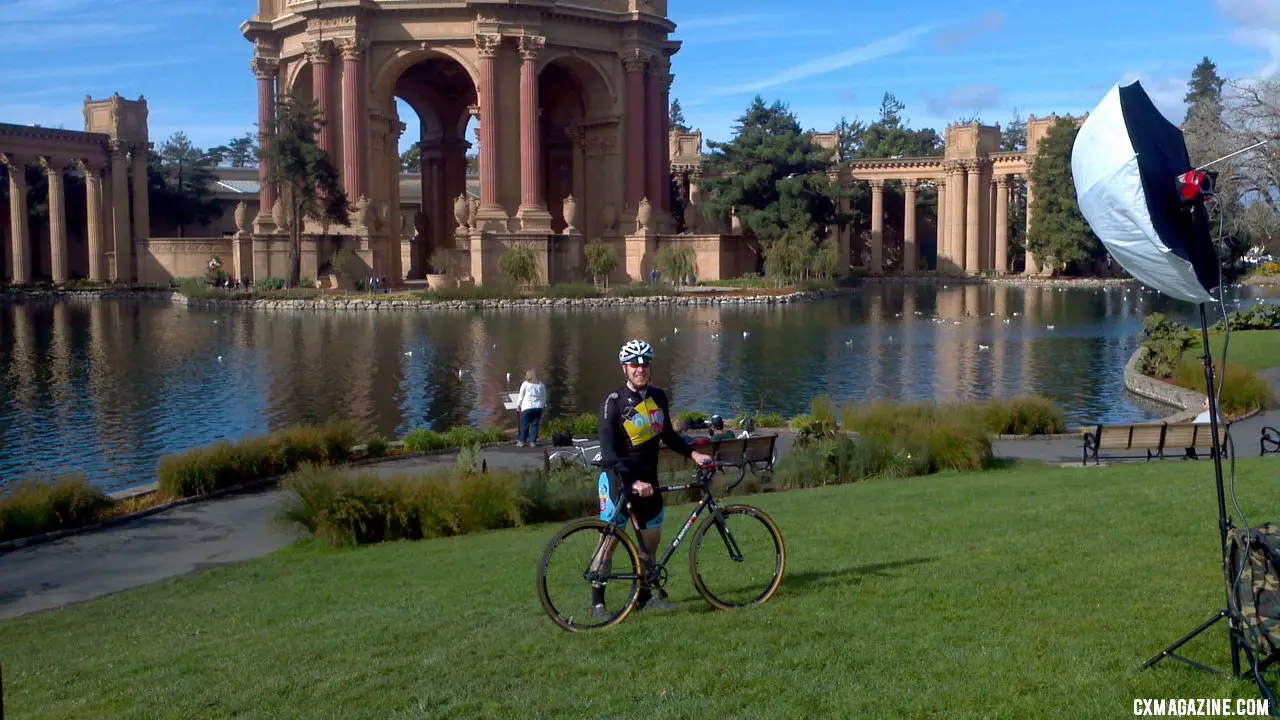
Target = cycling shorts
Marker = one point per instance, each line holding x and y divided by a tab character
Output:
648	510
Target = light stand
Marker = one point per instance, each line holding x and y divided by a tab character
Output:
1224	527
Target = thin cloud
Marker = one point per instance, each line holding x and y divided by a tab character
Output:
764	34
92	70
892	45
964	100
952	40
1259	28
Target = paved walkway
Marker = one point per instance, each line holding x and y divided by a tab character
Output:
235	528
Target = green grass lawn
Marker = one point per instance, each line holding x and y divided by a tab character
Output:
1027	592
1254	349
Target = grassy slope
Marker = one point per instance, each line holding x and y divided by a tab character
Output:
1029	592
1254	349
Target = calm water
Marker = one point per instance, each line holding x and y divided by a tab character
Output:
109	387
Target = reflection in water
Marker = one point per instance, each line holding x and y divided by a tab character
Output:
109	387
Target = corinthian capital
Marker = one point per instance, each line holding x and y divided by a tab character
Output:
876	185
265	68
531	45
11	161
635	60
318	51
118	148
352	48
910	184
487	44
52	165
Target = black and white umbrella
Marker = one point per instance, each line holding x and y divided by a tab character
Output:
1140	193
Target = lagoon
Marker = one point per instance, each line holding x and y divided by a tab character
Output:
107	387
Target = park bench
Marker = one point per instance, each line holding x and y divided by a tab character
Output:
1154	438
757	452
1270	442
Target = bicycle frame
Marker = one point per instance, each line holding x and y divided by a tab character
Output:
704	474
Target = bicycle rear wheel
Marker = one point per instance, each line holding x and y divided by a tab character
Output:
742	562
573	563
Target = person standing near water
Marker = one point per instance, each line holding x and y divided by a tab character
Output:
531	400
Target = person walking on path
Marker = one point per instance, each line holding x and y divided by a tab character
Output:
531	401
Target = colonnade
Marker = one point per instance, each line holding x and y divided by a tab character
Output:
111	232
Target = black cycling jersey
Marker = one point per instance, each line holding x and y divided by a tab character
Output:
631	424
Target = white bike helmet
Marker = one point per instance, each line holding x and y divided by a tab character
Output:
636	351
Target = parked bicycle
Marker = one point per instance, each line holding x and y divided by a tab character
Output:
583	451
740	564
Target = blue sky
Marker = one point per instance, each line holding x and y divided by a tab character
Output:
945	60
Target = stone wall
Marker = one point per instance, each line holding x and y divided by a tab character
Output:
163	260
1189	402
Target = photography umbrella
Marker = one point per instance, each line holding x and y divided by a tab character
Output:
1144	199
1127	163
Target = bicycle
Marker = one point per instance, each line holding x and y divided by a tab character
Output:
583	451
740	544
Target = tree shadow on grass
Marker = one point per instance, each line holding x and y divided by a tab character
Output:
847	576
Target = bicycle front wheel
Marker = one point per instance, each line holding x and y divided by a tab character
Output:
585	562
741	561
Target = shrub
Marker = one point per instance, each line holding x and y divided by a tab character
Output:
1258	317
377	447
422	440
641	291
344	508
582	425
491	291
271	283
196	288
692	416
34	507
567	492
225	464
1024	416
573	291
601	261
1243	391
1164	340
519	265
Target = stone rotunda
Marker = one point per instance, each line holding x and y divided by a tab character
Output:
570	102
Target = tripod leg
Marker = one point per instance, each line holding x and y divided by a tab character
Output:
1169	651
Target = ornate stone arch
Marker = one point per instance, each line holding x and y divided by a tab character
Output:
386	76
600	97
295	68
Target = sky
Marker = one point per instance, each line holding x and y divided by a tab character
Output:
945	60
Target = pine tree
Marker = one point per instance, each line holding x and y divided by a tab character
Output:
308	181
676	117
1060	237
1205	85
185	178
776	177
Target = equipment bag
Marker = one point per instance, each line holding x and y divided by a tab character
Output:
1255	555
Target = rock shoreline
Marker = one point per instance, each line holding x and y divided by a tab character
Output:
1189	401
373	302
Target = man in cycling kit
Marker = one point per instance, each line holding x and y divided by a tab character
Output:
634	419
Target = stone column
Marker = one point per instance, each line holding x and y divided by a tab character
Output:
487	46
141	198
355	115
843	249
942	223
266	70
973	239
1031	267
909	246
664	144
533	213
319	53
955	218
93	210
1002	224
634	64
57	220
123	247
20	272
877	226
657	176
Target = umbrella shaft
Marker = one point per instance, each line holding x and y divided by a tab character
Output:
1224	157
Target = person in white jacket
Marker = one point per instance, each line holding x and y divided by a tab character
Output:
531	400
